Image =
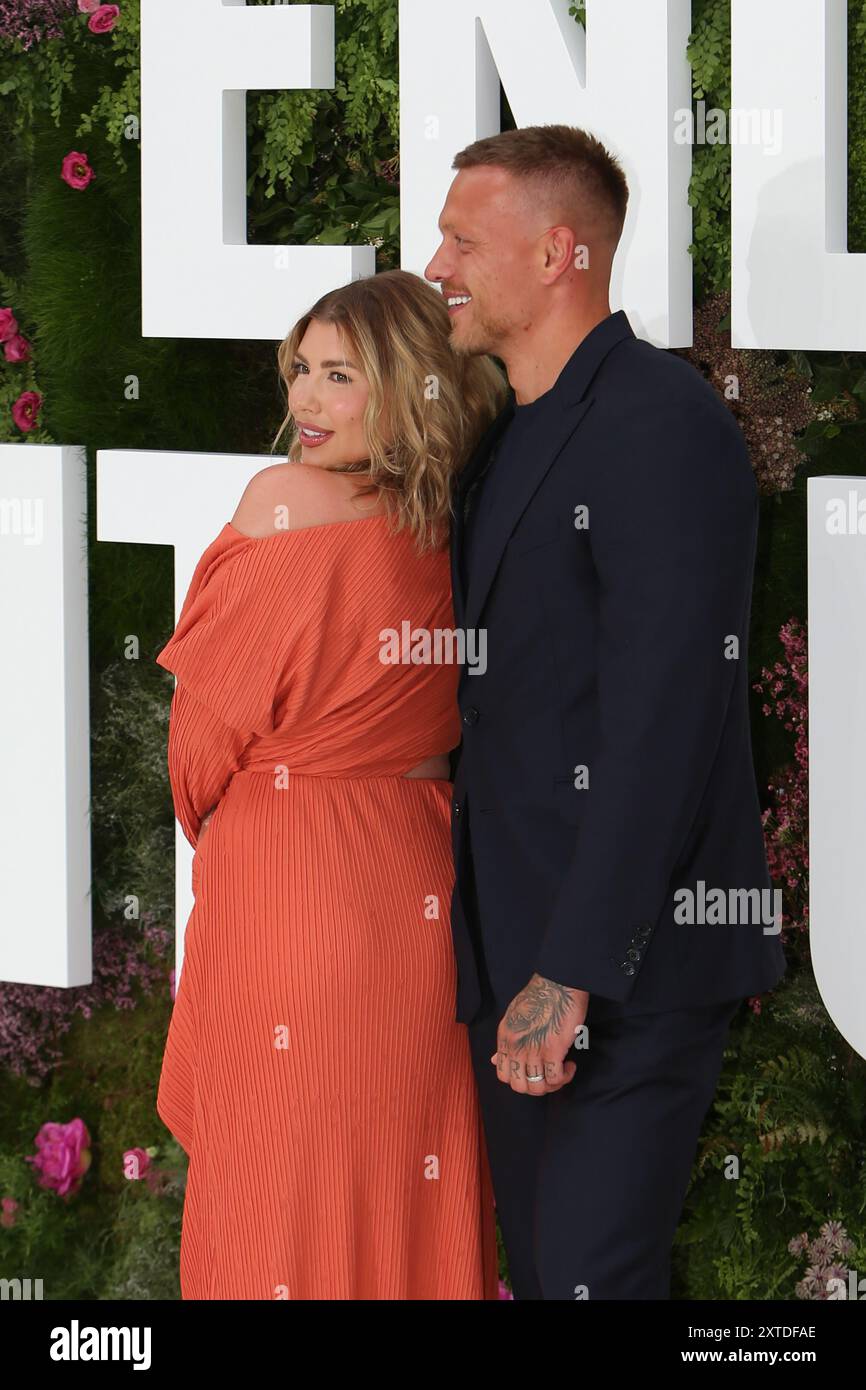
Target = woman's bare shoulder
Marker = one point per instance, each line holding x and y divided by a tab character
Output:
290	496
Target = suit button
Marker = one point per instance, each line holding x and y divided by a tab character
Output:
457	808
642	933
627	969
633	954
471	716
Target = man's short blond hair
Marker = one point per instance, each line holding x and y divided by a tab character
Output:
565	168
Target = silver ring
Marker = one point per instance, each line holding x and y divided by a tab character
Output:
535	1078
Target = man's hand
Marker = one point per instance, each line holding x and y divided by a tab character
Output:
536	1031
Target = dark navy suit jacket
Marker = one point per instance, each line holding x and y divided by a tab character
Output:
612	647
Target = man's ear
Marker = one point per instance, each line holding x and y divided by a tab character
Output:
559	247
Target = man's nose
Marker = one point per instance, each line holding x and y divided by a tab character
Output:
437	269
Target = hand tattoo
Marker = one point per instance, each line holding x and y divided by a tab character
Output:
538	1012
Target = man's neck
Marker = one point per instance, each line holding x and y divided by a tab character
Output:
535	364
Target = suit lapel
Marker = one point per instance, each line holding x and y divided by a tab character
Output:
568	410
466	482
512	507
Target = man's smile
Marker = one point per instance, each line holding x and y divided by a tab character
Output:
457	303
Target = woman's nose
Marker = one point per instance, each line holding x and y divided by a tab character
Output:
303	402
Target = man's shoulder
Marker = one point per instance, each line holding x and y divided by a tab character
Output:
639	370
642	387
655	411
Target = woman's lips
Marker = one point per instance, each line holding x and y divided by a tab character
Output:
314	441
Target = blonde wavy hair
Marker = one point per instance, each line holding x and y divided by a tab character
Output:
433	403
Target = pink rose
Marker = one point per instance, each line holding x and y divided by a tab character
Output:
26	409
16	349
64	1156
76	171
504	1292
135	1164
88	6
10	1206
8	325
103	19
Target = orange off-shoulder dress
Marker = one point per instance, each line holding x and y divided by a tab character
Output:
314	1071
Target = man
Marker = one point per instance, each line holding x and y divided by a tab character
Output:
604	537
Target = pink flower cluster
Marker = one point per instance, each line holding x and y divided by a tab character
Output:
15	348
63	1157
786	823
824	1254
29	22
77	173
34	1019
25	411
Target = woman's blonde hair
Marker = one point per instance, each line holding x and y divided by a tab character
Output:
434	403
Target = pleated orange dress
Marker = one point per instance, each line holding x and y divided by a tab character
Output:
314	1071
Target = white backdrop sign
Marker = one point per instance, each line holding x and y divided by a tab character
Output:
794	283
45	717
837	748
199	58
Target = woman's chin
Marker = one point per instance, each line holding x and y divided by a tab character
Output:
317	453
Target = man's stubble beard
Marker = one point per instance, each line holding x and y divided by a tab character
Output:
485	338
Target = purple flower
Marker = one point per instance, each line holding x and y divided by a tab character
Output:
63	1156
31	21
35	1018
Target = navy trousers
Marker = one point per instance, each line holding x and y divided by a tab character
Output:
590	1180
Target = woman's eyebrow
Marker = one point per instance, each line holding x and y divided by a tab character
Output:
345	362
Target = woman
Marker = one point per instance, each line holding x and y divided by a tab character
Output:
313	1070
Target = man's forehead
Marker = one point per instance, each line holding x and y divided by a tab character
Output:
490	177
478	198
